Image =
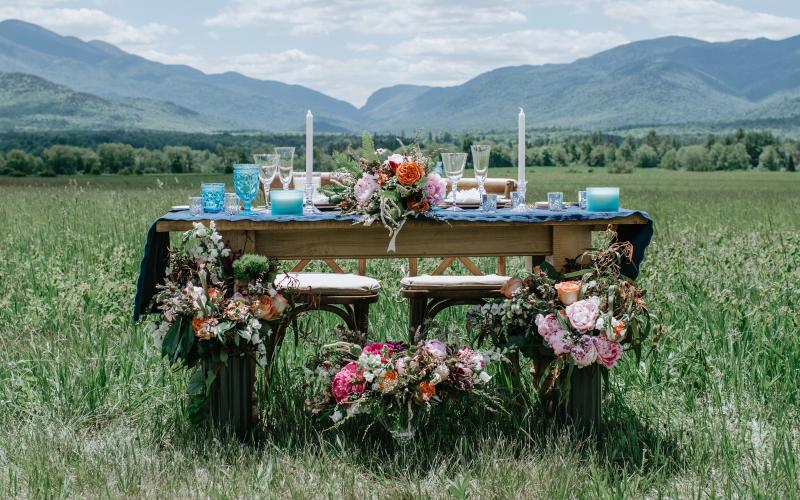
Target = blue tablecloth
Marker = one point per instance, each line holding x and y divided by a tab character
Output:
156	250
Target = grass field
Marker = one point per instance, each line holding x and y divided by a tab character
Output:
88	408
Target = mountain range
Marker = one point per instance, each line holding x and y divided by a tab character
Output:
49	81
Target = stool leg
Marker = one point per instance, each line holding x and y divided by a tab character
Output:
361	312
417	306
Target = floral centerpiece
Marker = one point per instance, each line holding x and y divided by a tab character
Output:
386	188
205	317
393	383
589	317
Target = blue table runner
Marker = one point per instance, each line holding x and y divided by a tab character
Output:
156	250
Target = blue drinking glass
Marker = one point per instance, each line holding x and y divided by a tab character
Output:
245	183
213	194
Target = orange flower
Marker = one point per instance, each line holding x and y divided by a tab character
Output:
269	308
511	286
568	291
425	392
200	327
197	324
619	329
388	380
409	173
420	206
213	293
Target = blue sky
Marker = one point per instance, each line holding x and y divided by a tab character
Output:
350	48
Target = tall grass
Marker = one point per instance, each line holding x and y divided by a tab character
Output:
88	408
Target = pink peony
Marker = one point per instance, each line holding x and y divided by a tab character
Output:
347	381
366	187
583	315
373	348
607	352
436	348
547	325
560	342
435	189
584	352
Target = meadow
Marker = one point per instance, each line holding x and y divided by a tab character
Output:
88	408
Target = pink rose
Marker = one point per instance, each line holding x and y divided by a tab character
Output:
347	381
365	187
584	352
607	352
435	189
560	342
547	325
583	315
373	348
436	348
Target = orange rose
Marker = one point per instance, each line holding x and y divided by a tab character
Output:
568	291
197	324
409	173
269	308
388	380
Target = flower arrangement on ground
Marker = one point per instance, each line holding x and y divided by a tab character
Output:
588	317
386	188
205	315
394	383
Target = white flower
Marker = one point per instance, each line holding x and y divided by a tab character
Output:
484	377
336	416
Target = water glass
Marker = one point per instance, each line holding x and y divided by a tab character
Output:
555	201
231	204
582	203
245	182
285	165
268	165
195	205
213	194
518	201
489	202
454	170
480	164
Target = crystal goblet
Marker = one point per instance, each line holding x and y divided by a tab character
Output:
285	165
268	168
454	170
245	183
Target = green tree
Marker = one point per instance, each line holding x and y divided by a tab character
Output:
115	157
646	157
18	163
771	159
694	157
736	157
669	160
755	142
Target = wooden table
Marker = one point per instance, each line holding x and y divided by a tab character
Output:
341	239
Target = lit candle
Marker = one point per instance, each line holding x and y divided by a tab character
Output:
309	144
289	202
521	146
602	199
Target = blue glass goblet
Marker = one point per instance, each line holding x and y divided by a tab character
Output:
245	183
212	193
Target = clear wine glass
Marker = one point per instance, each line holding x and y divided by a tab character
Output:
285	165
454	169
480	162
267	169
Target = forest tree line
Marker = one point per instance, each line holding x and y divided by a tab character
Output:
151	152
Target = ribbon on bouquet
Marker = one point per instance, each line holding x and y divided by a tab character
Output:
392	225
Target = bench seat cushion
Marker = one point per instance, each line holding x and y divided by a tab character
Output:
328	283
427	282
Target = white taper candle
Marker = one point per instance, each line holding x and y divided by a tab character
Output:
309	146
521	146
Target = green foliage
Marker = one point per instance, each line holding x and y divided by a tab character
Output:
771	159
252	266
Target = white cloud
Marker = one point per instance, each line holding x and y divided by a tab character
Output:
389	17
86	23
705	19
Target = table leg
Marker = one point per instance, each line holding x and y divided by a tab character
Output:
569	242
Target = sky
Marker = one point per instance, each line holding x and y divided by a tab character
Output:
350	48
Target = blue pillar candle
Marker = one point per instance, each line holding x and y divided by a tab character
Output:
289	202
602	199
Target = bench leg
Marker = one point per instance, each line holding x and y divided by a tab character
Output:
361	316
417	308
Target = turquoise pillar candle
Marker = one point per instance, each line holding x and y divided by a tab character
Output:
602	199
289	202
